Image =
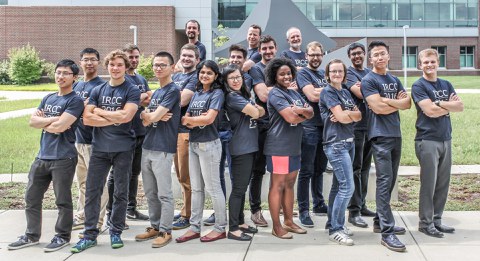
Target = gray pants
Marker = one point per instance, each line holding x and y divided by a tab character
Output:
42	172
157	184
204	165
435	158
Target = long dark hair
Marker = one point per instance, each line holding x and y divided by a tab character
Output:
229	70
217	83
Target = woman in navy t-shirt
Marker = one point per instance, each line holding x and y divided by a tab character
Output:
283	143
204	152
242	114
338	111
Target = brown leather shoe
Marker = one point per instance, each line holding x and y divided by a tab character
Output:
258	219
162	240
150	233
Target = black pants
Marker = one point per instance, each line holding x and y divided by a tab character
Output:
241	172
133	184
361	170
259	166
100	164
386	153
42	172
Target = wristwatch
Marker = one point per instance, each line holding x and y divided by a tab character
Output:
437	102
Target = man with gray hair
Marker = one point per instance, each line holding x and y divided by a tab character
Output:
294	53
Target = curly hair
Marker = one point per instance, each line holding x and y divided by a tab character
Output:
116	54
272	69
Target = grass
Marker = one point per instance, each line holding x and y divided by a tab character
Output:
18	104
2	98
32	87
458	82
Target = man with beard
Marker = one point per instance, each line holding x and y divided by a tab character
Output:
363	147
294	53
253	56
268	50
192	29
310	82
186	80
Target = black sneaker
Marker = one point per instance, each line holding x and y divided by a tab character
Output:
393	243
136	215
305	219
210	221
23	241
321	210
56	244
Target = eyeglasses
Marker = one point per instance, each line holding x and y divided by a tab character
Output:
357	53
64	74
315	54
337	72
236	78
160	66
376	55
92	60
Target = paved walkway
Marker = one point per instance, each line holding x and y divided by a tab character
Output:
462	245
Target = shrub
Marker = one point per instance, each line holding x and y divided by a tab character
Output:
49	70
145	67
25	65
4	79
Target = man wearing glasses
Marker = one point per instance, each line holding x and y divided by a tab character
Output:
363	147
310	82
385	96
89	60
57	115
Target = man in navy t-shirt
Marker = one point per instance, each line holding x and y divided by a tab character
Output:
158	151
57	115
295	53
253	56
186	80
363	148
311	81
133	53
385	96
110	110
192	30
434	100
89	60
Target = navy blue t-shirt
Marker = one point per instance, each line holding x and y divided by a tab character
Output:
298	59
185	81
161	135
117	137
202	50
258	75
329	98
387	86
202	102
437	129
306	76
283	138
83	89
354	76
141	83
245	134
61	145
254	55
248	81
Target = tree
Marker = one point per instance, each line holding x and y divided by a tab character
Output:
25	65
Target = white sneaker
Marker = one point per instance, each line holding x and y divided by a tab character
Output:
340	238
347	231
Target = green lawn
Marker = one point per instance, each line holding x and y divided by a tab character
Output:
458	82
18	104
32	87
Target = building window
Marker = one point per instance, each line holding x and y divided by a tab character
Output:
3	2
442	55
411	56
466	56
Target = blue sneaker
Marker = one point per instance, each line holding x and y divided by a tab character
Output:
177	217
305	219
116	241
181	223
82	245
210	221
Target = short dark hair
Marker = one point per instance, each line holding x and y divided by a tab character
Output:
129	47
191	47
266	39
70	64
355	46
165	54
192	21
217	83
227	71
239	48
272	69
374	44
327	70
256	26
89	50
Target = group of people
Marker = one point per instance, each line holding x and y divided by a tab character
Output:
260	113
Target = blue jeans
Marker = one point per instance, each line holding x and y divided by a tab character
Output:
313	164
225	137
340	154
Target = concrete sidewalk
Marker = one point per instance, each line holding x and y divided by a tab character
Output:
462	245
